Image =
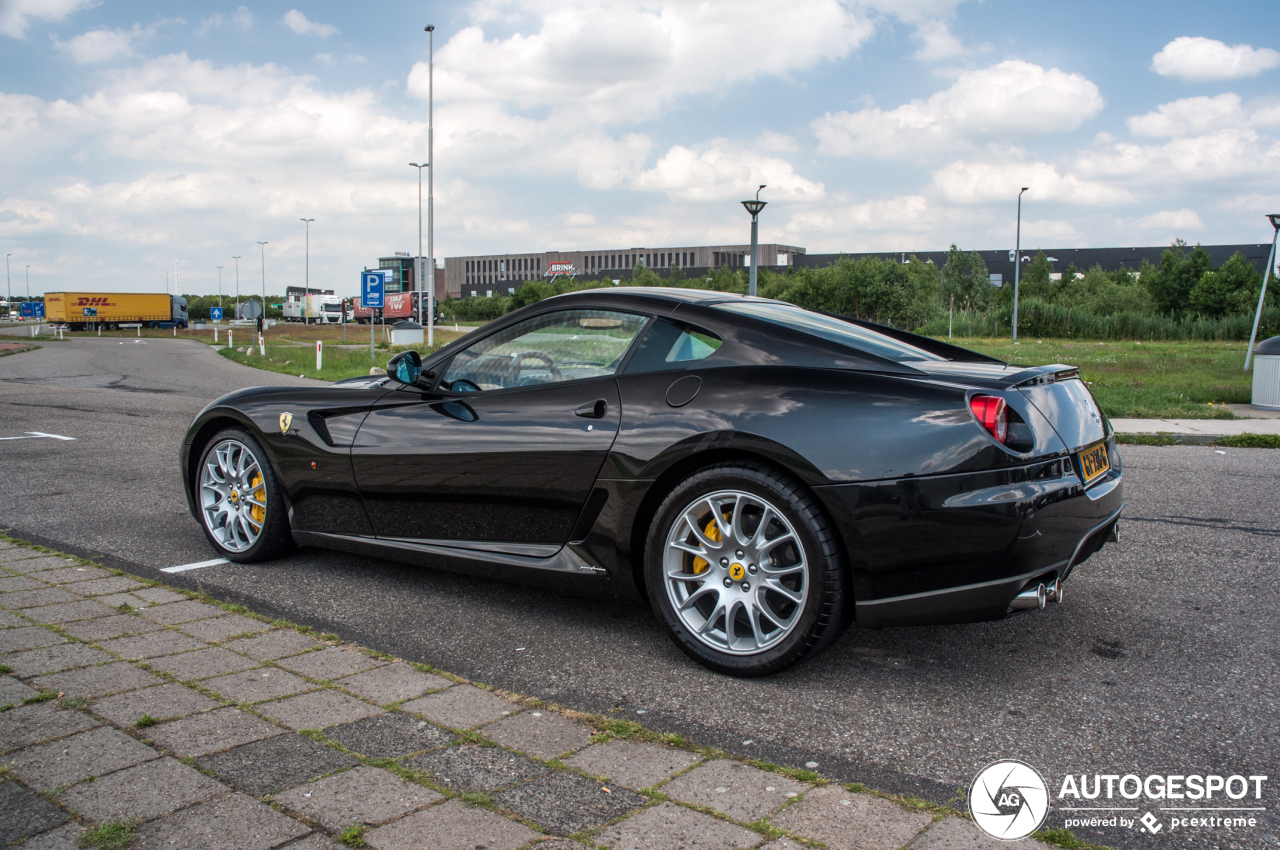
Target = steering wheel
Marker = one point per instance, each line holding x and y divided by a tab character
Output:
471	386
537	355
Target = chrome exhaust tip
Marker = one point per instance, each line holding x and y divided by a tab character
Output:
1053	591
1030	599
1113	536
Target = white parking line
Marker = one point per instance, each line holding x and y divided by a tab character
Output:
198	565
35	435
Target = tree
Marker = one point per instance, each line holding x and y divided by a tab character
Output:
1231	288
965	276
1178	274
1036	281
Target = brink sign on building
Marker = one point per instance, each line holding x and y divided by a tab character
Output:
561	269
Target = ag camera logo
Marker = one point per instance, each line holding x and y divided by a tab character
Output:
1009	800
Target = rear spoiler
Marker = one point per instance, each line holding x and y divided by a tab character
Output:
929	344
1035	376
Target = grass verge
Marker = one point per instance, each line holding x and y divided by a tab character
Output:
1142	380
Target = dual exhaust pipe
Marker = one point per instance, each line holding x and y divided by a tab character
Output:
1035	598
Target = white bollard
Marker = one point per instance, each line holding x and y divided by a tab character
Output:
262	345
319	354
139	329
230	343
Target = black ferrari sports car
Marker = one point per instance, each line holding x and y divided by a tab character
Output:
762	474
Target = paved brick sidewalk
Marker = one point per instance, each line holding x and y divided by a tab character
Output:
200	726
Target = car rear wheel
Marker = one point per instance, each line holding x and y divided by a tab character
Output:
744	570
241	506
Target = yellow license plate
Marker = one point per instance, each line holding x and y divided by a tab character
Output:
1094	462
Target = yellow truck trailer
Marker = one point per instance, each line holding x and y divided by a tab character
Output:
112	309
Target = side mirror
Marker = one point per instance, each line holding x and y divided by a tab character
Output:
405	367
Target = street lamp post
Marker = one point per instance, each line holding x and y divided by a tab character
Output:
418	263
263	320
754	208
308	278
8	284
28	282
1017	263
219	287
431	182
237	315
1274	218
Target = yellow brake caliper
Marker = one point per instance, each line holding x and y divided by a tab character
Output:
713	534
258	512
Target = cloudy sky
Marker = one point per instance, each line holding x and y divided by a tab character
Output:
134	135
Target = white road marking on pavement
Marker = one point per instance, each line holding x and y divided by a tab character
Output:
198	565
36	435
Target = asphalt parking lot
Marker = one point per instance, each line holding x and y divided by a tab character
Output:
1162	660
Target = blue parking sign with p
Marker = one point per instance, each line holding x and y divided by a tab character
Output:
371	289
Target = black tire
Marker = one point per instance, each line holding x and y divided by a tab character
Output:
275	538
826	592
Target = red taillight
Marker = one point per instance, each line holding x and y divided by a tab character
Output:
991	414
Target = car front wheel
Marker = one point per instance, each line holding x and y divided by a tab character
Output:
241	505
744	569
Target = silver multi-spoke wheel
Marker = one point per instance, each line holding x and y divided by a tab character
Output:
233	495
735	572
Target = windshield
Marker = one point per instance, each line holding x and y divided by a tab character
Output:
828	327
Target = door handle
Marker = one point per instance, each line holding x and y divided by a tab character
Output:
593	410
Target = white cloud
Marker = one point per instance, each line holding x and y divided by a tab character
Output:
720	173
1208	160
241	18
614	61
936	41
1199	59
998	181
1192	116
16	14
299	23
101	45
1172	220
1014	99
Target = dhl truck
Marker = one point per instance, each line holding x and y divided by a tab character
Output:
112	309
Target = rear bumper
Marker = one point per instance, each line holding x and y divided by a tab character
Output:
958	548
975	602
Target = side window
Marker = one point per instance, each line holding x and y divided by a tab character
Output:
562	346
670	345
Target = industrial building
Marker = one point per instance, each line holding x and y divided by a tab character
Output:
497	275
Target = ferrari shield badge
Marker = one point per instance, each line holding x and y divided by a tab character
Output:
286	419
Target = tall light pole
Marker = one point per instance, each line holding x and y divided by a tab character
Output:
754	208
219	287
28	282
176	291
237	315
1017	264
308	278
418	272
431	182
1271	261
8	297
263	246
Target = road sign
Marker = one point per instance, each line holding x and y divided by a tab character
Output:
31	309
251	310
215	313
91	312
372	289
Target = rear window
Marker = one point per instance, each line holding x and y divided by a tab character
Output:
828	327
672	345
